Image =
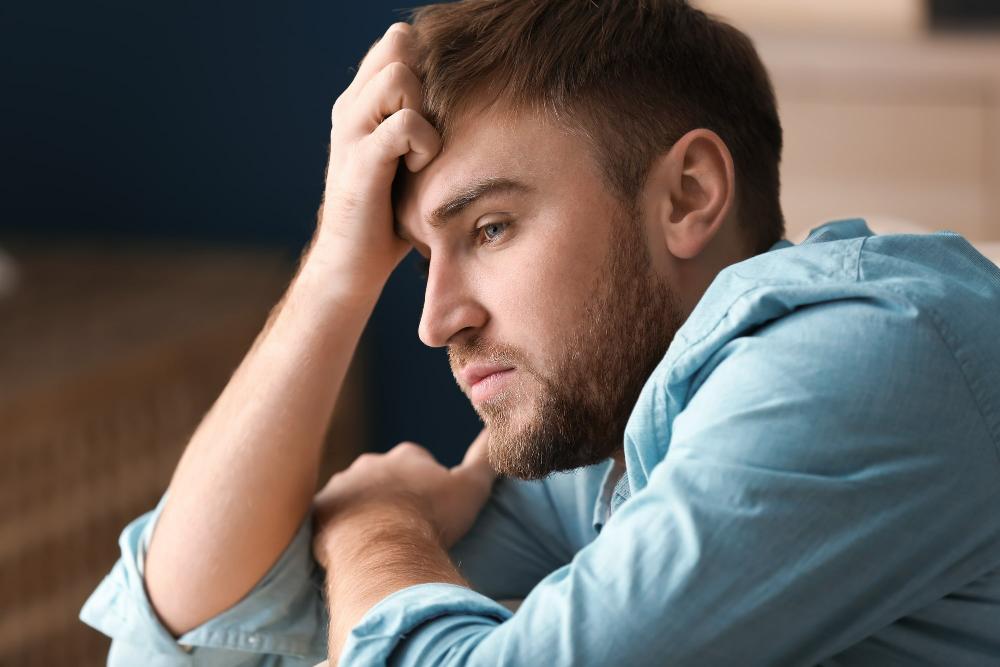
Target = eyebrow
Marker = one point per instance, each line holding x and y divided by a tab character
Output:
467	196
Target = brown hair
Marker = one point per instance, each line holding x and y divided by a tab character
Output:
632	76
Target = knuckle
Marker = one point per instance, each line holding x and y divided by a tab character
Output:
407	449
396	73
365	460
397	37
400	27
406	119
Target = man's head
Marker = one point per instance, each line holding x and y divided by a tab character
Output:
601	163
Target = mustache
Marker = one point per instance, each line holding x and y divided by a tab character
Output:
479	350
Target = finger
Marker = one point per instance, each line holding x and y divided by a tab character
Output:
475	464
393	88
477	451
409	449
404	134
395	44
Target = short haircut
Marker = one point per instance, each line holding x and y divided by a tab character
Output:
632	76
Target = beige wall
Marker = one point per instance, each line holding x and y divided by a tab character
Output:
822	17
881	119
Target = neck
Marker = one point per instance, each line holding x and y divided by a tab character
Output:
619	456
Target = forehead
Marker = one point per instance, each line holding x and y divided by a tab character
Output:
493	146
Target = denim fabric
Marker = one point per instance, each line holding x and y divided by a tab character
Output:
812	477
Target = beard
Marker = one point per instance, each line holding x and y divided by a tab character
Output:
628	322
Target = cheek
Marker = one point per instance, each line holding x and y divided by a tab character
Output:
540	293
568	264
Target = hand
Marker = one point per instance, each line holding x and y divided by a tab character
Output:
406	484
375	122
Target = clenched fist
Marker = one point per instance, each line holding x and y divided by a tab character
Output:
376	121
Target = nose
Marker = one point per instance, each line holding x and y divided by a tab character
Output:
451	309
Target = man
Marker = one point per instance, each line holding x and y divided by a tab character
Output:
730	449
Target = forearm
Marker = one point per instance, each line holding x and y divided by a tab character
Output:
247	477
374	553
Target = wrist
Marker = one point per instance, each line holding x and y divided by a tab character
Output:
353	531
372	552
324	278
357	269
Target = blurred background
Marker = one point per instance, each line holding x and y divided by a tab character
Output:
161	170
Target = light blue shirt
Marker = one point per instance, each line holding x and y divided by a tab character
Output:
812	477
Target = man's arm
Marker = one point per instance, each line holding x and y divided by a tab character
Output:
526	530
401	549
246	479
410	510
812	495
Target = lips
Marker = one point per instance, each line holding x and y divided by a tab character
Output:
475	373
490	385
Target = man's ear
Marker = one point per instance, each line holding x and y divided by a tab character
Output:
691	189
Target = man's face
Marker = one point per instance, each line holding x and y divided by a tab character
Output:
539	284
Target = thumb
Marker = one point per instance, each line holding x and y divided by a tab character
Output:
476	464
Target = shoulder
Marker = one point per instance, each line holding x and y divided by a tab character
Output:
935	280
824	338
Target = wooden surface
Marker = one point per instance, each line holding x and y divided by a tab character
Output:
109	357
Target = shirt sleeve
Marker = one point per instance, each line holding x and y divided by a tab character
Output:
829	475
282	621
518	539
527	530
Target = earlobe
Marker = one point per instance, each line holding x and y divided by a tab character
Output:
693	185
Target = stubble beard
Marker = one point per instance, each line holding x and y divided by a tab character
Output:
626	327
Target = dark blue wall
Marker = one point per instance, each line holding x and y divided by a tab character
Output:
205	120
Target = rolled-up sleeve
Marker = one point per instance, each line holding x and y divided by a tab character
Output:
818	486
282	621
526	530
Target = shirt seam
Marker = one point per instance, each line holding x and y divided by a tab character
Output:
944	334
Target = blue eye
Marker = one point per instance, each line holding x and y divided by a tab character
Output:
491	231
